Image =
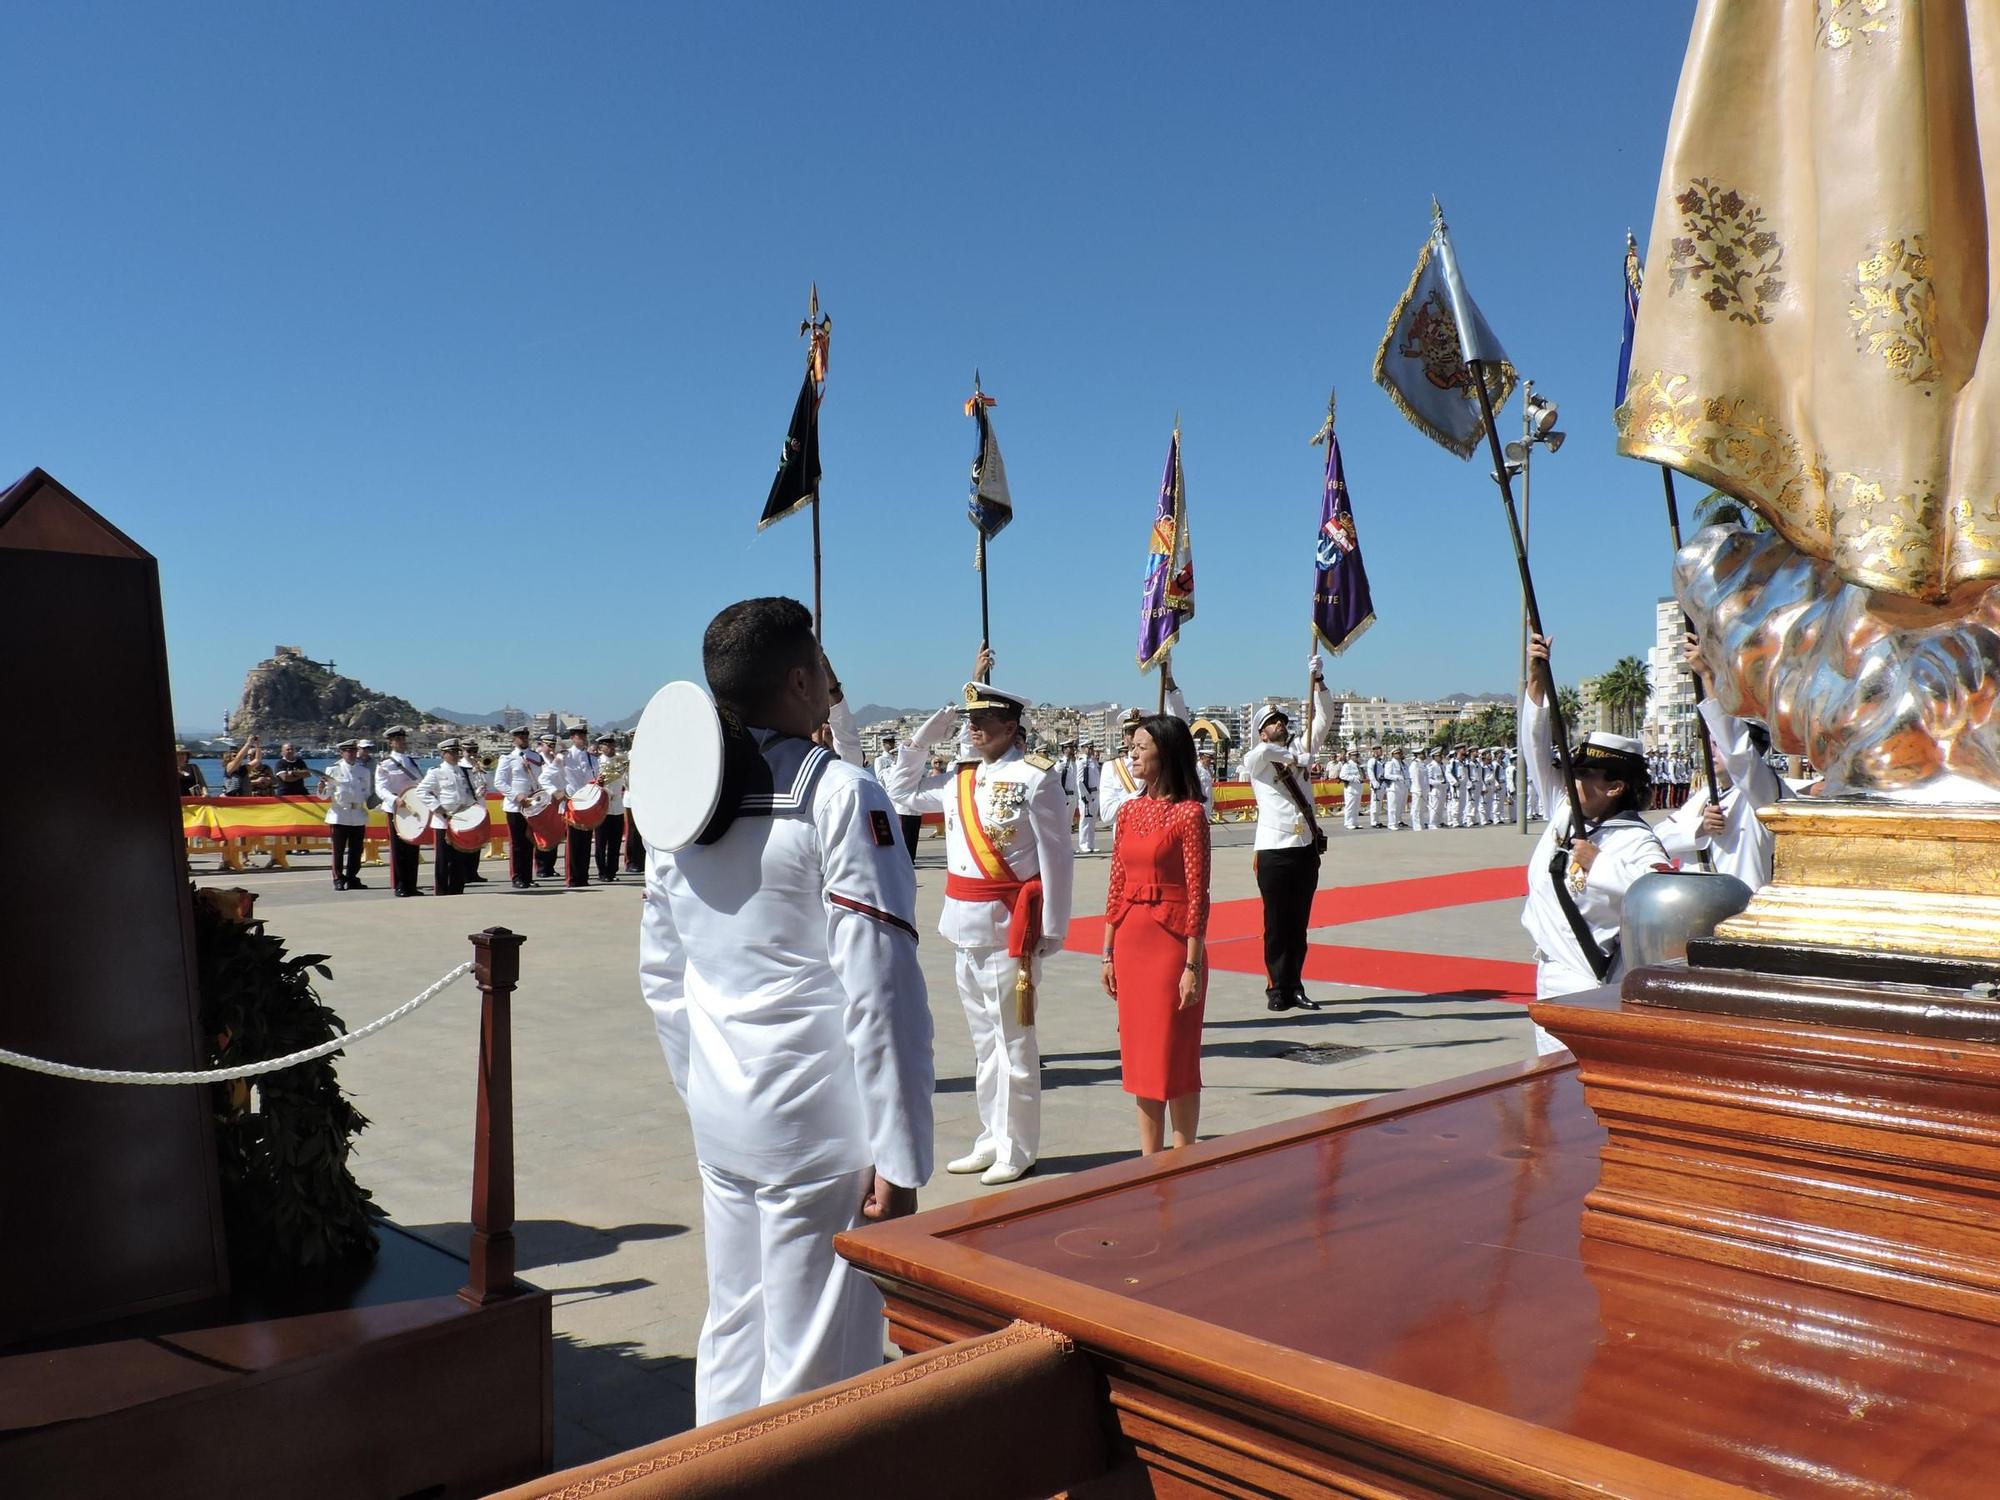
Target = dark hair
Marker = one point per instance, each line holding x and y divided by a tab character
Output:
748	648
1177	777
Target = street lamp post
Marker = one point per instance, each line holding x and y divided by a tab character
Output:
1538	421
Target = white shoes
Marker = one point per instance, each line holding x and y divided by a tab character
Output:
977	1160
998	1176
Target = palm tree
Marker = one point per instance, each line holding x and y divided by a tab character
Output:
1571	702
1624	690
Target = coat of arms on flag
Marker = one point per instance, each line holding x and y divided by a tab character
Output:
1433	336
1169	599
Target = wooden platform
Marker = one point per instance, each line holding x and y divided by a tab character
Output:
392	1386
1395	1299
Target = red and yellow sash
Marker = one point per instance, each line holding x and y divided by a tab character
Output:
991	864
1125	774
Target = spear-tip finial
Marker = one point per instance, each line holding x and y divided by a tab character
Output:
1325	428
1437	212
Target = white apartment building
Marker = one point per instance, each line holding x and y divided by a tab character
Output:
1670	710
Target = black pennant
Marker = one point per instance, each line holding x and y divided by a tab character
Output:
797	479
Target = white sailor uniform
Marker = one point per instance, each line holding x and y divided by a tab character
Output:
395	773
780	963
1022	821
1626	849
1287	863
1349	772
1744	847
445	789
1089	781
349	783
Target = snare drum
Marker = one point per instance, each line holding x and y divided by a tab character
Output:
587	806
412	819
545	824
470	828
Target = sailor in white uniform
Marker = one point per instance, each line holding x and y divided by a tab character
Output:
1349	772
552	783
1576	896
1735	837
514	778
912	823
1006	905
1089	783
1378	794
348	784
780	963
1289	842
1069	777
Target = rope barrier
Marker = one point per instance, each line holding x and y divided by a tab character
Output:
241	1070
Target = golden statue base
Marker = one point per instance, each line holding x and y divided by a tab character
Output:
1894	879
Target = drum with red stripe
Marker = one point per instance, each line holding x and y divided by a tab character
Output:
412	818
545	824
587	806
470	828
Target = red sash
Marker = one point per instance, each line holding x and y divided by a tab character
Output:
1023	899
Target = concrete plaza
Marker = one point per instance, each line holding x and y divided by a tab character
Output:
1412	944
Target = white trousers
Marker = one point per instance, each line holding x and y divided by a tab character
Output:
785	1314
1006	1057
1377	795
1086	829
1350	805
1434	804
1395	800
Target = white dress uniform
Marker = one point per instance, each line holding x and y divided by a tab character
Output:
1434	792
1626	849
780	964
395	773
1019	804
1280	824
1089	782
1206	777
1068	775
1371	772
445	789
1744	847
846	733
1395	781
1349	772
350	782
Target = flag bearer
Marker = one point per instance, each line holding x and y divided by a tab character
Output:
1289	843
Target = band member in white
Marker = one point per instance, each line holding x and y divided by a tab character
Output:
348	784
514	778
579	771
1289	841
446	789
607	840
1006	905
780	962
395	773
552	782
1576	895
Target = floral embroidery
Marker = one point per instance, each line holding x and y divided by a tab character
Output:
1841	21
1725	246
1894	311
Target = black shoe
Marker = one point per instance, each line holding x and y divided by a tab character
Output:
1276	1001
475	880
413	893
339	885
1299	999
355	885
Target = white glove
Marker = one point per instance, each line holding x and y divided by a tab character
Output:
936	728
1050	946
1315	666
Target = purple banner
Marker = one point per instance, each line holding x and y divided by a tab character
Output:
1342	606
1169	598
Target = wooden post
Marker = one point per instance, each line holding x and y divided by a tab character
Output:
496	966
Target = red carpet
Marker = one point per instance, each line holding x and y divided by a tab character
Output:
1236	933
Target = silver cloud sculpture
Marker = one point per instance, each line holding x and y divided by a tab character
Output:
1893	698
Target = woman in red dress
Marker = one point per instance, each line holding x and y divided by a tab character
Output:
1155	930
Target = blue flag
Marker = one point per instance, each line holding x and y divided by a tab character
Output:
1635	274
1342	606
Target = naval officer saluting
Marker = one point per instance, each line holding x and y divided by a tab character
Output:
1006	905
778	952
1289	840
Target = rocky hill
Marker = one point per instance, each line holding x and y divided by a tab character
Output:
291	696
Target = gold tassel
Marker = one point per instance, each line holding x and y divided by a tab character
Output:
1024	995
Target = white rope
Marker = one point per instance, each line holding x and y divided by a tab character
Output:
242	1070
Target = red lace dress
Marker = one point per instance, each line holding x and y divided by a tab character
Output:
1158	897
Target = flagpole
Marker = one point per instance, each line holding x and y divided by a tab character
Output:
818	333
1557	729
1312	631
985	625
1701	724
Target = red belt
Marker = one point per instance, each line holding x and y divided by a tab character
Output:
1023	899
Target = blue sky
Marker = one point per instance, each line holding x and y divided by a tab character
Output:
348	311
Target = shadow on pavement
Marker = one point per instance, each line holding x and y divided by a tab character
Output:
612	1396
546	1242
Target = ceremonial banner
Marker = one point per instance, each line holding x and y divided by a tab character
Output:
797	479
1169	598
1434	334
1635	275
991	506
1342	606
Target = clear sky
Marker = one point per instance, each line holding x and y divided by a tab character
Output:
456	342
